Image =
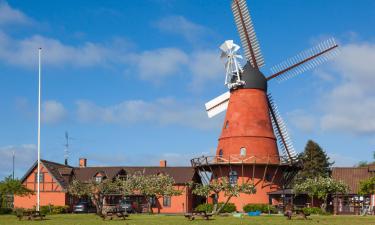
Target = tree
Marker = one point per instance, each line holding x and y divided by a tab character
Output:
321	187
222	185
315	162
96	191
10	186
152	187
367	187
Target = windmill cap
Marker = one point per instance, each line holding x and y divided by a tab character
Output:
254	78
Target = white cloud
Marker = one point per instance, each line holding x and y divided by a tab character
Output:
205	66
157	64
53	111
9	16
302	120
342	160
25	155
179	25
153	65
201	66
350	105
23	52
164	111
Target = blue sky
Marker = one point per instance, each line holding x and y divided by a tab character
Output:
128	79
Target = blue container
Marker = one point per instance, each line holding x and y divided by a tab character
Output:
256	213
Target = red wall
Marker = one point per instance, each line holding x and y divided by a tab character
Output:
179	204
50	191
248	125
262	186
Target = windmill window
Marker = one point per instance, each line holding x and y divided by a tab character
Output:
268	177
233	176
226	124
221	152
243	151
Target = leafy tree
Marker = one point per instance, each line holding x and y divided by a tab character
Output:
315	162
367	187
96	191
222	185
321	187
152	187
10	186
149	186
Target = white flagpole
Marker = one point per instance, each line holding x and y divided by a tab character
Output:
39	96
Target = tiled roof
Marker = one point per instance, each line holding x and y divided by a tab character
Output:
352	176
64	174
179	174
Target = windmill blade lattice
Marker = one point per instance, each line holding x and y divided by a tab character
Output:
232	66
247	33
305	60
281	132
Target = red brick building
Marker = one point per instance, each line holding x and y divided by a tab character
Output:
55	179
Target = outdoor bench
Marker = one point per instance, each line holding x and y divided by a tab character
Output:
298	213
31	215
114	213
194	214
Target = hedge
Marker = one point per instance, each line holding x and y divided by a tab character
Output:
314	210
264	208
4	211
228	208
51	209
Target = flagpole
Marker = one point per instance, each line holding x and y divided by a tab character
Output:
39	96
13	157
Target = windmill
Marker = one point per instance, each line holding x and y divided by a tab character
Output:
250	77
253	129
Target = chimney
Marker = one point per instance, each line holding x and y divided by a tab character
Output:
82	162
163	163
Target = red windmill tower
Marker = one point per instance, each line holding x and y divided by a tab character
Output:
253	130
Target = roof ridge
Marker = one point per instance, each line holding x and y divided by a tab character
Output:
47	161
133	167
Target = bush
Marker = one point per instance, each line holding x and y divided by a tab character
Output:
264	208
60	209
314	210
204	207
228	208
51	209
18	211
4	211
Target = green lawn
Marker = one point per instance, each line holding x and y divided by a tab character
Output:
180	220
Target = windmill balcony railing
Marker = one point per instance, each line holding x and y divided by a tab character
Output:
239	159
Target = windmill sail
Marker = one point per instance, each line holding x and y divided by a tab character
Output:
305	60
217	105
281	132
247	33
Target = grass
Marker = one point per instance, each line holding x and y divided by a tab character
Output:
90	219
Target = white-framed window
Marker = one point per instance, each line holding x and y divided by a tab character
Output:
167	201
41	177
233	176
98	179
243	151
